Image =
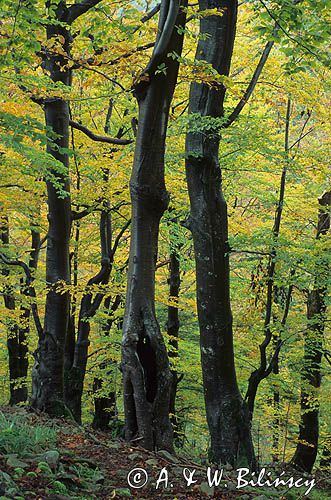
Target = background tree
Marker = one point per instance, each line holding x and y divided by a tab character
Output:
306	451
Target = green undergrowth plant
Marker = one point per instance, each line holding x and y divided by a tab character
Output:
19	437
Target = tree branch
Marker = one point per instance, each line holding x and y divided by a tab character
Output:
79	8
251	86
160	48
99	138
119	236
147	17
31	290
140	48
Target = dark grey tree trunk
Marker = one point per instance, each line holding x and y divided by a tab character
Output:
227	415
145	364
307	447
48	371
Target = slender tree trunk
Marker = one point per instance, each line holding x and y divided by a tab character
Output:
227	415
74	379
173	332
145	364
306	451
18	330
16	338
105	403
265	368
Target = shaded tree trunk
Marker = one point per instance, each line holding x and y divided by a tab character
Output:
227	415
75	375
48	370
306	451
18	330
145	364
265	367
77	348
105	403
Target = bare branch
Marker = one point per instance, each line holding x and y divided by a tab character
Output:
99	138
249	252
31	290
147	17
140	48
251	86
79	8
119	236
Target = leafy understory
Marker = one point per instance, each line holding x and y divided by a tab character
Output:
57	460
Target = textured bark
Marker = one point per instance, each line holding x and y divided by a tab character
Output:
307	447
227	416
145	364
48	370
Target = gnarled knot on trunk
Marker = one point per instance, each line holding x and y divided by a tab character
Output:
154	198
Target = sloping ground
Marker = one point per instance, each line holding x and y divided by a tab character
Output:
56	460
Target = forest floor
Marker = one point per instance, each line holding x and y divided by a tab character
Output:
56	460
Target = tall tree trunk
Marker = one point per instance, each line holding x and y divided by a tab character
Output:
227	415
306	451
48	371
265	368
145	364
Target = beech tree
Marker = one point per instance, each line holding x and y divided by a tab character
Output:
227	414
145	364
306	450
48	373
73	72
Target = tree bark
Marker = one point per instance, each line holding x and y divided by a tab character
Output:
227	415
145	364
307	447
